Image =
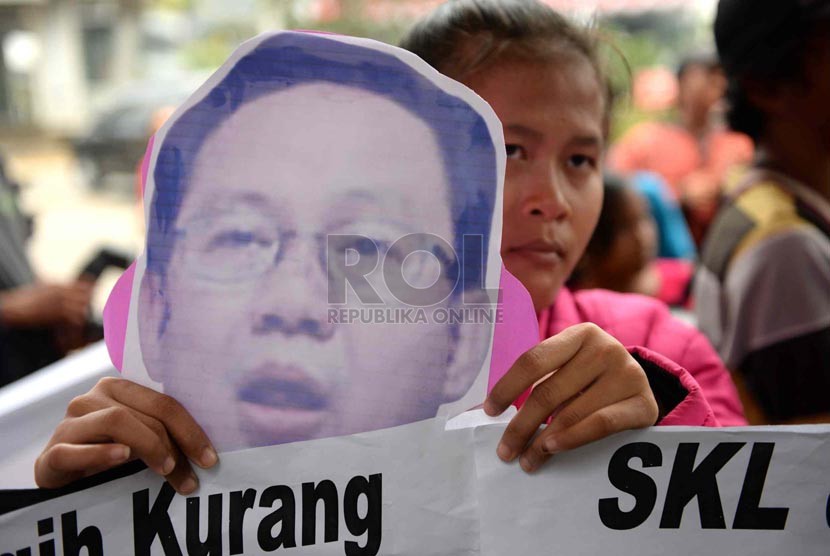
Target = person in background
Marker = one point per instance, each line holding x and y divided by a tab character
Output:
39	321
763	291
674	240
622	253
543	77
693	154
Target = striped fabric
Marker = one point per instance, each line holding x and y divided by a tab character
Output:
764	287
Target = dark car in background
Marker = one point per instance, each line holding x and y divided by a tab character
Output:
110	153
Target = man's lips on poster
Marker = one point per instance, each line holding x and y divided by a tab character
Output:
281	403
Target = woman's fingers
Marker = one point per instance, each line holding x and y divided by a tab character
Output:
180	425
183	479
63	463
119	415
609	388
584	377
545	399
632	413
120	425
535	364
87	442
615	402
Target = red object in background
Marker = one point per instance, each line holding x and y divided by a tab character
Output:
380	10
326	10
655	89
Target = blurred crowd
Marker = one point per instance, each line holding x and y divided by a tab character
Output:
725	210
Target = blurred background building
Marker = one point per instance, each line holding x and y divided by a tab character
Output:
64	62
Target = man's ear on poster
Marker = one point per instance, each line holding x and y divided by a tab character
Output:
470	346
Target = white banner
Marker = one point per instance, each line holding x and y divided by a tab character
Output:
419	490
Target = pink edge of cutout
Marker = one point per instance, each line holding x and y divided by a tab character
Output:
115	316
117	307
516	332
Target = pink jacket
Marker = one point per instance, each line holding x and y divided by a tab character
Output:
658	340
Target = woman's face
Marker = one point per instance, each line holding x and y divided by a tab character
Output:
809	98
796	110
552	114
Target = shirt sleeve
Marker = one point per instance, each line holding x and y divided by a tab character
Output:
695	363
679	396
791	378
775	291
778	331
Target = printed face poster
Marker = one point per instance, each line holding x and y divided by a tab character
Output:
323	228
319	290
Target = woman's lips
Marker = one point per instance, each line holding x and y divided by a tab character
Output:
541	253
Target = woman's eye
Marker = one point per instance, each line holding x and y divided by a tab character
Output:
581	161
515	152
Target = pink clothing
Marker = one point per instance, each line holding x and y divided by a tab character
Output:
648	330
675	276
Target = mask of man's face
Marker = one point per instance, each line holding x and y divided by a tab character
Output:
238	325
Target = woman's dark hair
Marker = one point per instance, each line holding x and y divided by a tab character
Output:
461	37
614	189
765	43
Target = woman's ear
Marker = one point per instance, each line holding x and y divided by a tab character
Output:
153	312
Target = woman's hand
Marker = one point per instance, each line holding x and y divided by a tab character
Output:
586	379
118	421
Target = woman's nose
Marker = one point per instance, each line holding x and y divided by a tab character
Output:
545	196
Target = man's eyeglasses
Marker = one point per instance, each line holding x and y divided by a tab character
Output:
241	246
